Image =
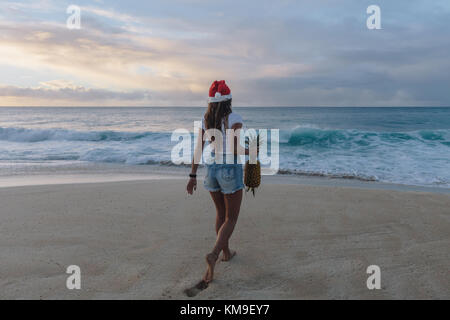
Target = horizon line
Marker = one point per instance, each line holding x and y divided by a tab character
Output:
241	106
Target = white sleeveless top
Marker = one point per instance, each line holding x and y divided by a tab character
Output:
233	118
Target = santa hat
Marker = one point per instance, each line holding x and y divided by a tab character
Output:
219	92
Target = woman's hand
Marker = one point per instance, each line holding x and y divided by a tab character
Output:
192	185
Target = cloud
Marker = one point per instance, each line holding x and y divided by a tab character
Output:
110	14
288	53
66	91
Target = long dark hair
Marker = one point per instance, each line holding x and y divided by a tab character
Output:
217	114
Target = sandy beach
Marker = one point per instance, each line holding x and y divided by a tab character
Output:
147	240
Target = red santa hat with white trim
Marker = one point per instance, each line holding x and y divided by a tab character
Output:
219	92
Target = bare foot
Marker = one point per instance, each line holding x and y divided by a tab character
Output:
211	263
228	255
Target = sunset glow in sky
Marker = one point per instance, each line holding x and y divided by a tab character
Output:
272	53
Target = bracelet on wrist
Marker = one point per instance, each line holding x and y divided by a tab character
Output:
192	175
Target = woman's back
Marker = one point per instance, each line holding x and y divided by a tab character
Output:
233	118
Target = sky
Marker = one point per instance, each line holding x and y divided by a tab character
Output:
271	53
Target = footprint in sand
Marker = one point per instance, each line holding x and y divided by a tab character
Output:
195	290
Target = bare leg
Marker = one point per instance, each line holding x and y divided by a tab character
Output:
232	206
219	202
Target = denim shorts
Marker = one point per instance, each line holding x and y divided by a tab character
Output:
227	178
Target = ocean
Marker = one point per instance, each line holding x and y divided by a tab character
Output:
409	146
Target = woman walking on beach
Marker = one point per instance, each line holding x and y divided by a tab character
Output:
223	180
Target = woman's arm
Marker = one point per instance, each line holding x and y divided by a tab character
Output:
192	184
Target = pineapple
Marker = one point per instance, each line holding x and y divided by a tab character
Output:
252	176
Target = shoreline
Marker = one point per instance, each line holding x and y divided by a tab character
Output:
147	240
103	173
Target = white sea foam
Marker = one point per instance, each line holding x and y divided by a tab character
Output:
407	146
